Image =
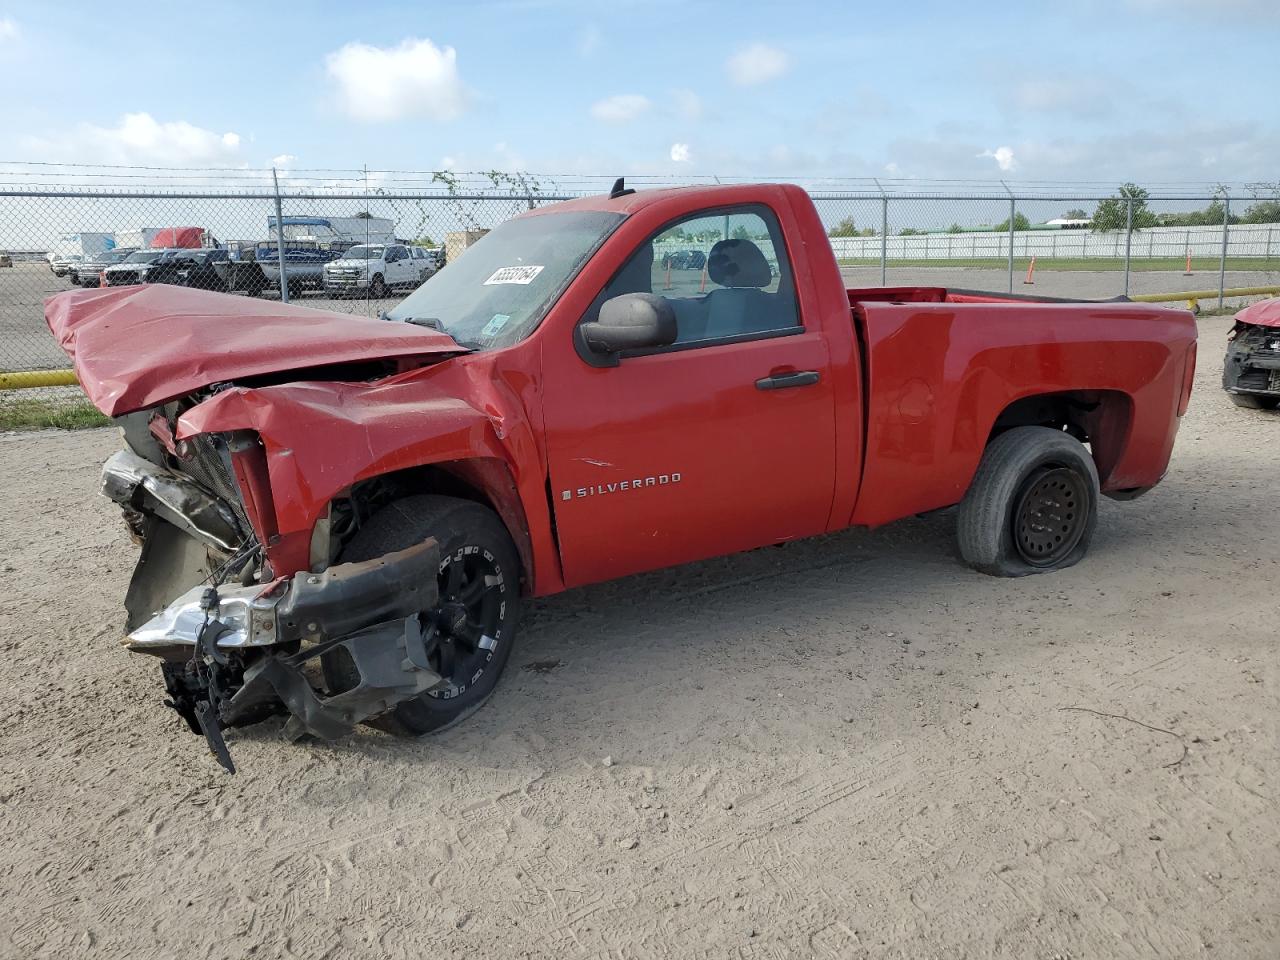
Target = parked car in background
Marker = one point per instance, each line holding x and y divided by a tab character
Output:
134	268
88	272
61	263
6	260
375	268
72	248
204	269
685	260
258	270
1251	373
427	262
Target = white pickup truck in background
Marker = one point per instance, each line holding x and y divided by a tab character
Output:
377	268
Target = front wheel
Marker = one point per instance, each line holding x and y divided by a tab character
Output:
377	287
475	619
1032	506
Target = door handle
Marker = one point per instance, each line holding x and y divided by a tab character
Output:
781	381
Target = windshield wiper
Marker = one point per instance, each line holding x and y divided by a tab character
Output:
433	323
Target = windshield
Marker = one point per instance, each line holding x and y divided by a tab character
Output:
144	256
363	252
113	256
496	293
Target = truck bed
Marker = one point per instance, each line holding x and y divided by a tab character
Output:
940	365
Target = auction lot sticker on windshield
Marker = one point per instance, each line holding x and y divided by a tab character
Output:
520	275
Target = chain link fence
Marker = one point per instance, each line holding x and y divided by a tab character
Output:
360	247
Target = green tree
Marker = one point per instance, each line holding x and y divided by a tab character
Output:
845	228
1020	222
423	241
910	232
1112	214
955	228
1263	211
1075	213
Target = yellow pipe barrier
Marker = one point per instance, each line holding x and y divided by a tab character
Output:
25	379
1193	297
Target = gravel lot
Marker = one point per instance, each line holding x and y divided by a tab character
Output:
848	747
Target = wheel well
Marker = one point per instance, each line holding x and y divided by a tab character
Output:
1099	418
485	481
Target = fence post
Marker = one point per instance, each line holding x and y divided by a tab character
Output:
284	281
1128	240
1222	262
884	239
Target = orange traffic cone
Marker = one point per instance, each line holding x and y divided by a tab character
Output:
667	285
702	284
1188	273
1031	269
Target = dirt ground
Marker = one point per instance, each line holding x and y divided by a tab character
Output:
848	747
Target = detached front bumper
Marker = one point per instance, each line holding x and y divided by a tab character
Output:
235	654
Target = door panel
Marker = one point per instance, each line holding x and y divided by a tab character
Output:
680	455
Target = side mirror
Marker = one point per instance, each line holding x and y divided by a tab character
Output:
633	321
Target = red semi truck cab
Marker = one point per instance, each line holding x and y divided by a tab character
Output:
597	388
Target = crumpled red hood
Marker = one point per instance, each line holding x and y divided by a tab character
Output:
135	347
1264	313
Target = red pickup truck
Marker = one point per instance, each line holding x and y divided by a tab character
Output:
567	403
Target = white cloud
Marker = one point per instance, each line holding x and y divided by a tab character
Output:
283	160
8	29
139	138
1003	156
757	63
687	103
622	108
680	152
381	84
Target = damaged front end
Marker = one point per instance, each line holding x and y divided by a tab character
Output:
1252	367
239	643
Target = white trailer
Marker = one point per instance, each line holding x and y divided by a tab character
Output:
80	245
138	238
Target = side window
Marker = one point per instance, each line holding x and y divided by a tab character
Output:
725	273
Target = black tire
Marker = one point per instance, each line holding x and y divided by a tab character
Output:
377	287
1251	401
472	538
1032	506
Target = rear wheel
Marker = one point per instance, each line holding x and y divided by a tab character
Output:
1032	506
1251	401
475	619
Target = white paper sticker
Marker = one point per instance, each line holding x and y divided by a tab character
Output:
520	275
498	321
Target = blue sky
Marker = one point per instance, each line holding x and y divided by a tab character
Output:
1151	90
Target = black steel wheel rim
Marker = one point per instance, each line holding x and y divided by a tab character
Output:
468	619
1049	515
